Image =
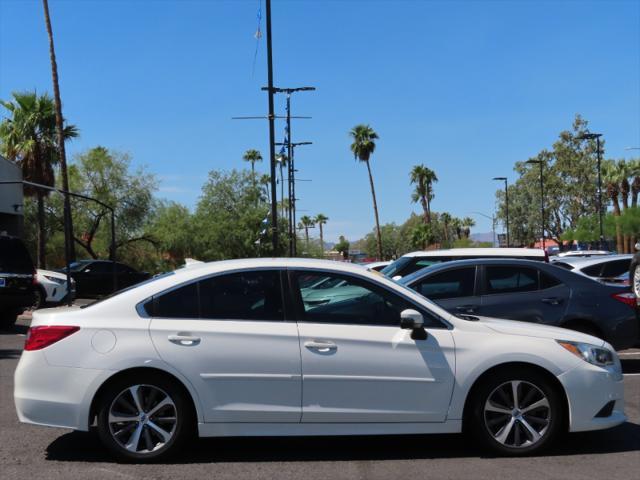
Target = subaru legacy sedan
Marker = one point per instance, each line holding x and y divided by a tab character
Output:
234	349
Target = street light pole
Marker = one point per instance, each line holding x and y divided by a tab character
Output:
493	224
540	162
506	198
596	137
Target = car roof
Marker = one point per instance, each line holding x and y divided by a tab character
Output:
476	252
583	262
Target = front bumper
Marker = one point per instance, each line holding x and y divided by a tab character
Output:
54	396
590	389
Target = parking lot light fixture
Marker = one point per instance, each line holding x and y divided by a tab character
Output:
506	203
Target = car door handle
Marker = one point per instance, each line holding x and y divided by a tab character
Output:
322	347
467	308
184	339
552	300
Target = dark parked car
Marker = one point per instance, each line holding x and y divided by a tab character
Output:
532	292
94	278
16	280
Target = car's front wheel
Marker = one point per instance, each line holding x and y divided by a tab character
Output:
635	281
517	413
144	419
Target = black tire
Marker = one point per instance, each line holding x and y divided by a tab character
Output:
487	426
180	431
40	298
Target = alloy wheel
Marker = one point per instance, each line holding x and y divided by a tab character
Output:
142	419
636	281
517	414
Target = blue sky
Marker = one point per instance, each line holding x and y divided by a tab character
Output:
465	87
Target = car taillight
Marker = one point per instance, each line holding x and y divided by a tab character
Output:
41	337
627	298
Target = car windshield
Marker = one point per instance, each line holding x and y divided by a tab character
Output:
76	266
394	267
409	279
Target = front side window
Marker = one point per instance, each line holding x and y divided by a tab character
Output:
511	279
352	301
450	284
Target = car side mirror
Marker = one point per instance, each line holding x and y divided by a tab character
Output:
412	320
637	246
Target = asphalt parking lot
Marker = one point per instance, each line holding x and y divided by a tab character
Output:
36	452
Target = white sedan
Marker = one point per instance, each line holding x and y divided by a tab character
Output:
232	349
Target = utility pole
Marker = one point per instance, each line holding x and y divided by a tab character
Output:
596	137
272	147
292	195
290	170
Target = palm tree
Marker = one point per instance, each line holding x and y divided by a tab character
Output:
424	178
252	156
60	130
29	138
320	221
445	218
467	223
306	222
265	182
362	147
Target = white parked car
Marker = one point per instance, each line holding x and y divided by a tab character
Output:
232	349
52	288
583	253
601	267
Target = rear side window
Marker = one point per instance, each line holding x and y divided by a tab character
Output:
14	257
566	266
616	267
242	296
450	284
179	303
511	279
236	296
593	270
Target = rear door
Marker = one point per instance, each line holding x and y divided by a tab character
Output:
523	293
228	335
454	289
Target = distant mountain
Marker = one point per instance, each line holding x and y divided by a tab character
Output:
482	237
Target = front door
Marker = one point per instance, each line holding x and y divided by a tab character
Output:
358	364
228	336
454	290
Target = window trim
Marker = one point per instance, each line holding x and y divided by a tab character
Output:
298	308
286	314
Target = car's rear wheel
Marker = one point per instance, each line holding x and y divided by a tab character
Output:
635	281
517	413
144	419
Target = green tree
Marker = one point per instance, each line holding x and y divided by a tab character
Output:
28	137
232	218
570	181
306	222
321	220
342	246
423	178
172	228
362	147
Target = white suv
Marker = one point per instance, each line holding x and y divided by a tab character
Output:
414	261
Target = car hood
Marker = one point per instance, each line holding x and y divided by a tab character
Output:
51	273
512	327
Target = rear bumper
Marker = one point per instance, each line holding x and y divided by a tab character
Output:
589	390
54	396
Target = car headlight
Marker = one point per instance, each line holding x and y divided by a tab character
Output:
57	280
602	357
